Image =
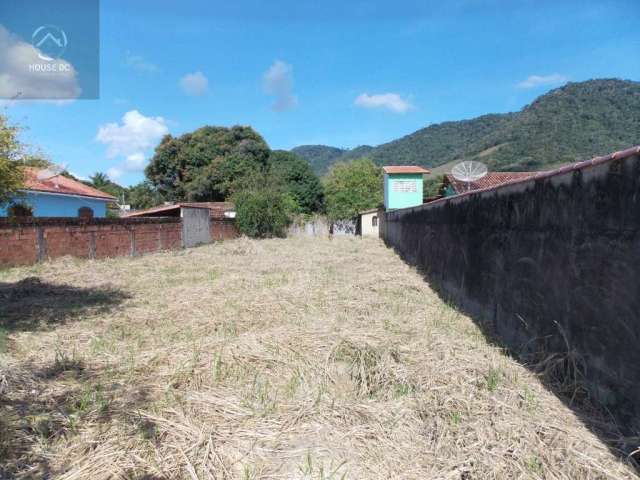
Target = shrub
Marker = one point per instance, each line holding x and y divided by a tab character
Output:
264	212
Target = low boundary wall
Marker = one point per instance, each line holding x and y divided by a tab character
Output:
551	265
31	240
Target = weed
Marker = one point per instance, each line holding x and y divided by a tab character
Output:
4	340
492	379
455	418
534	465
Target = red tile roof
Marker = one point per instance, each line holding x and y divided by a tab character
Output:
571	167
491	179
216	209
404	169
61	185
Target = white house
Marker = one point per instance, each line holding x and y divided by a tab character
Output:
368	223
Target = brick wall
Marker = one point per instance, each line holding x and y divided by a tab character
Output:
223	229
24	242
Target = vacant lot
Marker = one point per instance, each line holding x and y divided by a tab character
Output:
291	358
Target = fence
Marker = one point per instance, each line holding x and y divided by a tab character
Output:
30	240
550	265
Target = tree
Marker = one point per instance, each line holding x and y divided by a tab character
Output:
143	195
99	180
11	175
102	182
298	179
264	211
351	188
207	164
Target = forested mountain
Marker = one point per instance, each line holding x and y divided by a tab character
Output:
571	123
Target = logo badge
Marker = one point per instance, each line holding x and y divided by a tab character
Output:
51	42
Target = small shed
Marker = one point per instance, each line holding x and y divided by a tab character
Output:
403	186
368	222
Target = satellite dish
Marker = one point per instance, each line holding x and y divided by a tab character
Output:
50	172
468	172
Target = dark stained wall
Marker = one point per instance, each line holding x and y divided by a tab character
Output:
550	265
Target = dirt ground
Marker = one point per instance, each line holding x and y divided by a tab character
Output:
298	358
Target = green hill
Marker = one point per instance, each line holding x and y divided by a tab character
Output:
571	123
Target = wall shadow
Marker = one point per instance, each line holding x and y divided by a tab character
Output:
611	429
32	304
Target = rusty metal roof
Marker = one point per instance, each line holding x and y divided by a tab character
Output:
216	209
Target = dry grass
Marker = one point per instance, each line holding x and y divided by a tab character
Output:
298	358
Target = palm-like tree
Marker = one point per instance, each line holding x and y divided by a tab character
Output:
99	180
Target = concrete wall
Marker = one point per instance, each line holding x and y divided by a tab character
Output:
549	265
195	226
51	205
367	227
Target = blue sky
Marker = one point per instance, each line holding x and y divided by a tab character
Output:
303	72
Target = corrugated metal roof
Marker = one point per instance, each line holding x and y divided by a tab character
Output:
405	169
216	209
61	185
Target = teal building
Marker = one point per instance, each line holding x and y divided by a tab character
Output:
403	186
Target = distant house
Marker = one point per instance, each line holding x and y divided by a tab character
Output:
222	224
217	210
403	186
451	186
56	196
368	221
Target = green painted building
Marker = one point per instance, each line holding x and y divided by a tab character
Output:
403	186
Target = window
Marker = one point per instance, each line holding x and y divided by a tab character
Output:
405	186
85	212
374	221
20	210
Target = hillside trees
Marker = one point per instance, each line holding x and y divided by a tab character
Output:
351	188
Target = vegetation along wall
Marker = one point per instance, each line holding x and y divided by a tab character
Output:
549	265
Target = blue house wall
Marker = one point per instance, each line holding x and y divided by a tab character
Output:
58	205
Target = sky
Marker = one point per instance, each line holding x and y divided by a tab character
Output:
309	72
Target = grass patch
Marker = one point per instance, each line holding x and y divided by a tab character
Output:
284	358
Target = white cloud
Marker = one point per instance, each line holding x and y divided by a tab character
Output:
131	139
78	176
135	162
390	101
278	81
543	80
195	84
136	134
140	63
114	173
17	80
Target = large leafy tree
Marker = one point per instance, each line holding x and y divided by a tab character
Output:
11	175
143	195
351	188
207	164
298	180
